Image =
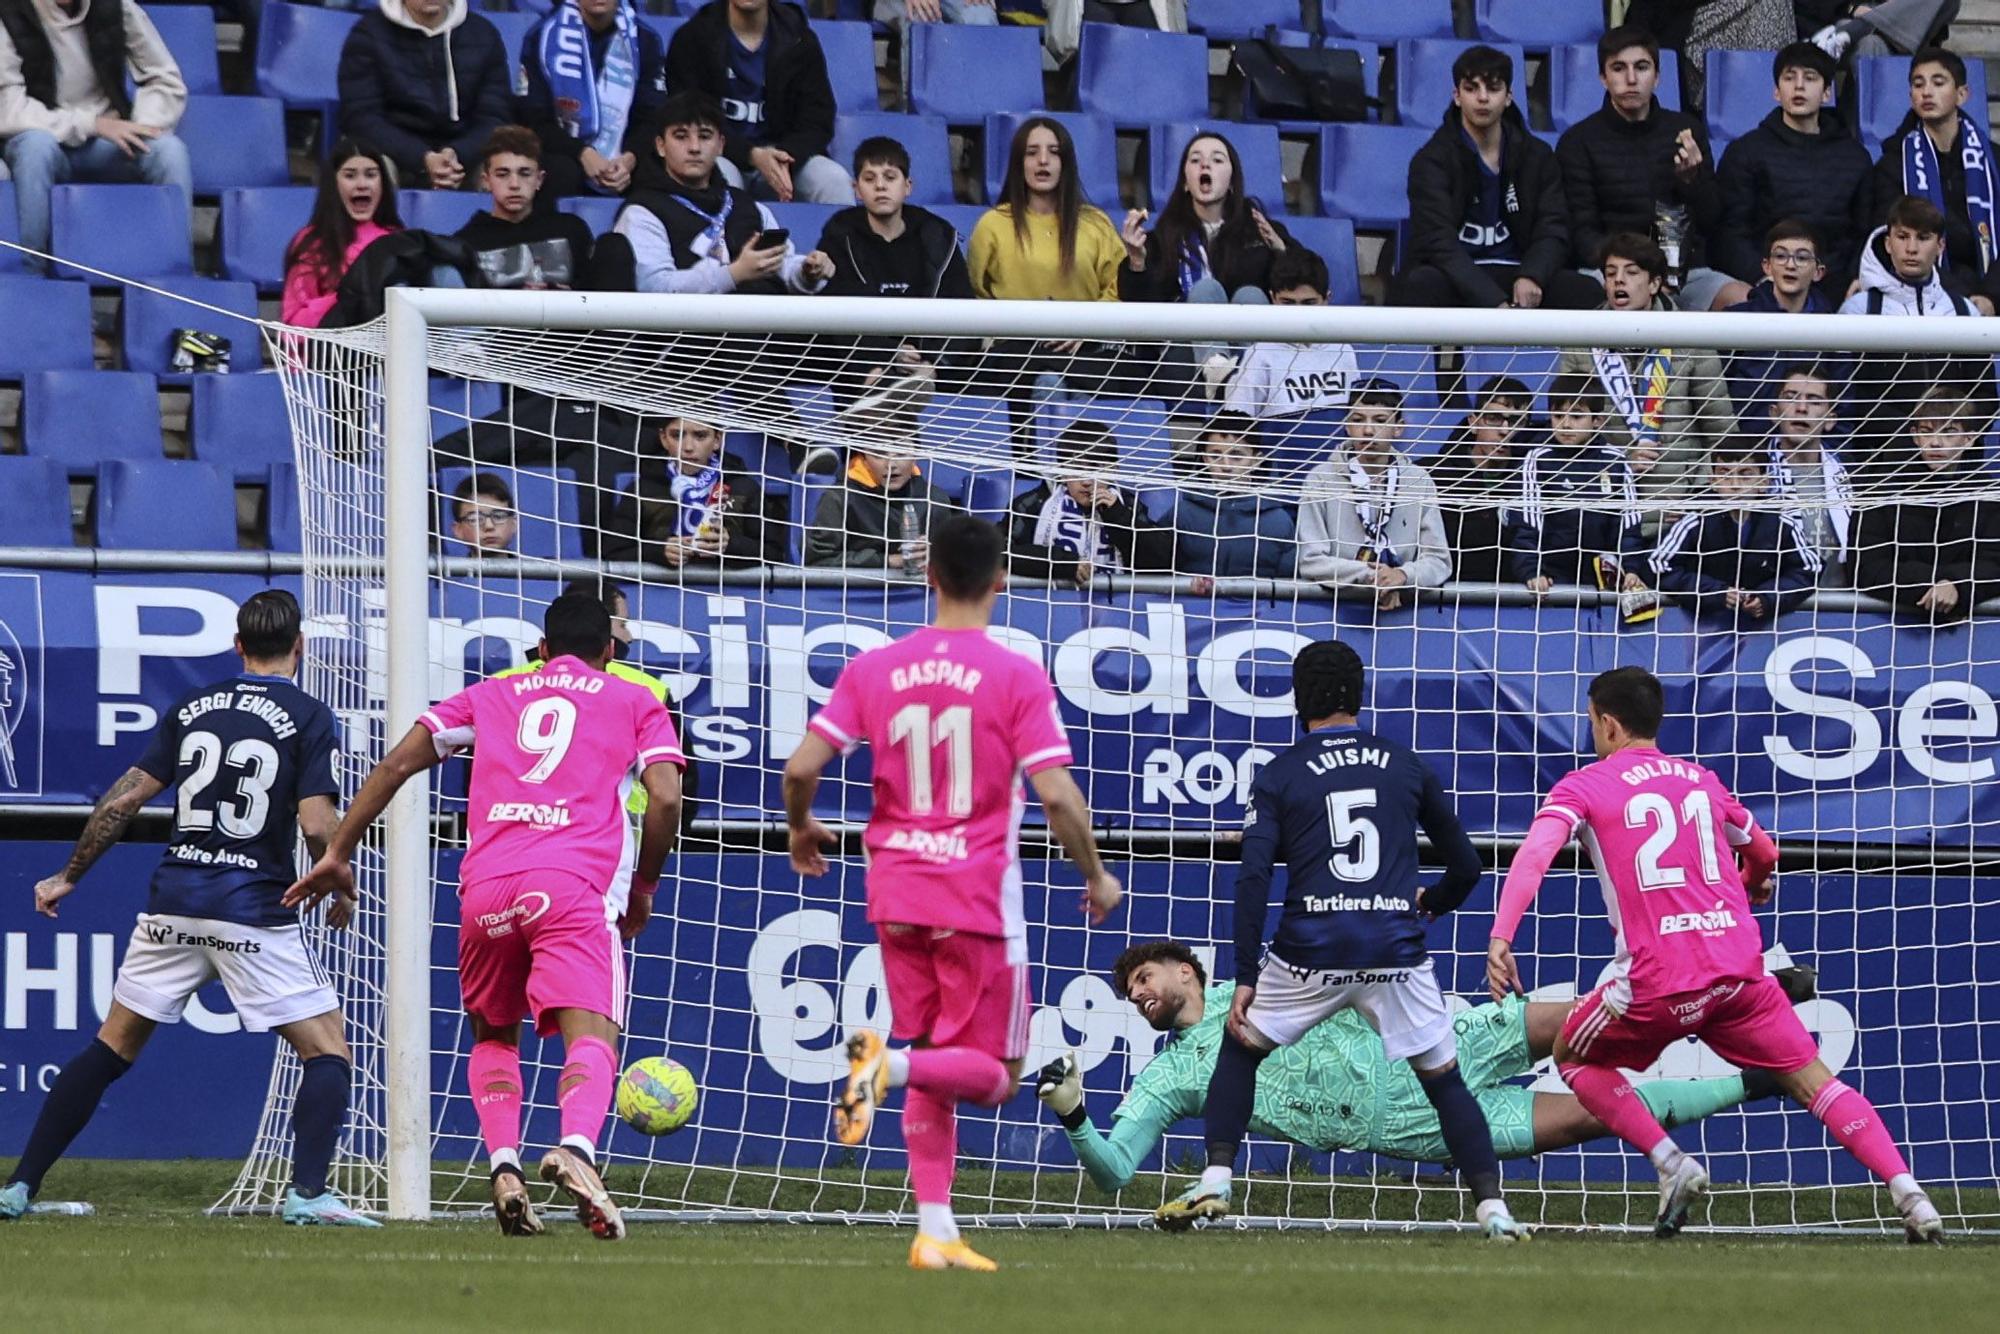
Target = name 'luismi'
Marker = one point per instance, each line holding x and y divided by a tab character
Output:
1346	757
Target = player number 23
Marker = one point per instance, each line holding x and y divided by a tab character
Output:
1696	813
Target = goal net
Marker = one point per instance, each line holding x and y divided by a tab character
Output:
1787	520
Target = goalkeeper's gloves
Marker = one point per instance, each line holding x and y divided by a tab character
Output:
1060	1085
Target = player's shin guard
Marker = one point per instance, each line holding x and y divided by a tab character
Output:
1858	1126
494	1073
589	1081
1232	1090
1607	1095
72	1101
317	1115
1466	1133
960	1074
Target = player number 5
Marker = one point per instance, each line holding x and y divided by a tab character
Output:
1345	826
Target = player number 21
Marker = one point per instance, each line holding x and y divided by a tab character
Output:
1650	808
547	728
913	728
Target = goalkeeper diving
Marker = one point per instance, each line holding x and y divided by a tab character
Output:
1336	1088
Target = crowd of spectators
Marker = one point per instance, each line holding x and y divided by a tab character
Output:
1737	482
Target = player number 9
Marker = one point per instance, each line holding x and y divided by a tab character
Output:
547	728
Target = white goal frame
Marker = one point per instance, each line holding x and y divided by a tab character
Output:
414	315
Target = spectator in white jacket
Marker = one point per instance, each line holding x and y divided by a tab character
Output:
1899	269
64	111
1369	516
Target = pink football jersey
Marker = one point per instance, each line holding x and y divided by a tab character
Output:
956	720
1660	832
556	752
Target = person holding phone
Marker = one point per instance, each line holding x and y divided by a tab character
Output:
694	232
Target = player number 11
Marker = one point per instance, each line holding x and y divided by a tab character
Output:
913	727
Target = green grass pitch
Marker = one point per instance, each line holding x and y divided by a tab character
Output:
151	1261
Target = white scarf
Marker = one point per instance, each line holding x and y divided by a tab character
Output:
697	497
1375	510
1063	526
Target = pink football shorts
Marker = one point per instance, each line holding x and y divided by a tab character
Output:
955	989
535	942
1749	1024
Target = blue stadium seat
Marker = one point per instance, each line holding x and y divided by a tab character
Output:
34	502
850	63
663	24
966	74
1882	92
1540	24
804	221
1410	368
80	418
257	225
1332	239
44	325
1364	172
1739	92
132	231
189	32
992	494
235	141
147	321
440	211
1532	366
1576	90
1423	77
962	216
1144	446
926	138
1374	21
10	230
164	505
1256	148
967	423
596	210
545	499
239	423
455	403
1096	151
298	53
950	482
282	530
1371	81
1231	19
1136	76
513	29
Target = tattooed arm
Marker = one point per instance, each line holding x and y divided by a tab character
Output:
106	826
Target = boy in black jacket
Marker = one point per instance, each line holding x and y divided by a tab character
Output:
1750	562
1803	162
761	61
1577	521
692	505
881	517
513	244
885	246
1636	166
1084	525
1488	222
1943	154
1939	559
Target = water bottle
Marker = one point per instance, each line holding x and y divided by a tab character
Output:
1670	225
912	541
64	1208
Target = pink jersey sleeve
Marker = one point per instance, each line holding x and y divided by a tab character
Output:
450	723
658	743
1040	740
1739	826
840	722
1569	799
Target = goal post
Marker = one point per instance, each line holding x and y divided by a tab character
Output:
1872	745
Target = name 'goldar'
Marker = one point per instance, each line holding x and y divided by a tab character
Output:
1341	810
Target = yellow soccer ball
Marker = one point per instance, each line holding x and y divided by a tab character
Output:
656	1096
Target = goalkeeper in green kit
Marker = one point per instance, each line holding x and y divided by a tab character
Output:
1337	1089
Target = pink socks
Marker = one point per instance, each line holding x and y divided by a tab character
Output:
589	1080
493	1072
1856	1124
960	1074
1607	1095
930	1133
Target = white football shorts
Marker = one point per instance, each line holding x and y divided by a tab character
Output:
1403	1005
271	974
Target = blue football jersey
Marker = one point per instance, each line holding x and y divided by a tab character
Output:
1341	809
243	754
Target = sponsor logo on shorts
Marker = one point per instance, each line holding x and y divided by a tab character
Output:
521	911
1362	979
1356	903
539	814
222	943
1690	1011
938	849
1718	918
157	932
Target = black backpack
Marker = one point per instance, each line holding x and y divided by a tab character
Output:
1304	82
